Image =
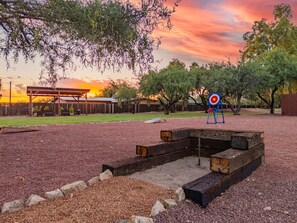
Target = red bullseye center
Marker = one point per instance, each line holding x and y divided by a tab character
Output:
214	99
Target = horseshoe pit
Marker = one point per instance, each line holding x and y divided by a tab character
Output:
233	155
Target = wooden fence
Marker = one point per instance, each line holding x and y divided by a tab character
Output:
22	108
289	104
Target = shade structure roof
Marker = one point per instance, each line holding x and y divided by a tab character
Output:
97	99
55	91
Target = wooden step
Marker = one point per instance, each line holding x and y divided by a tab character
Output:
203	190
175	134
155	149
246	140
231	160
132	165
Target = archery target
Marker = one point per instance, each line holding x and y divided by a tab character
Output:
214	99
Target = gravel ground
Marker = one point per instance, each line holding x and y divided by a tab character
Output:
107	201
40	161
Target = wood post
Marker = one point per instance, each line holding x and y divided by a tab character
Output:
86	104
30	104
59	104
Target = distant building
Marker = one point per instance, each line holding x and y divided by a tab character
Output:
106	104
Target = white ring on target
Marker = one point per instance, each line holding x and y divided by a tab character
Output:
214	99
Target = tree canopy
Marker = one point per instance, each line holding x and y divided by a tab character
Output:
121	91
280	33
102	34
169	85
273	46
278	67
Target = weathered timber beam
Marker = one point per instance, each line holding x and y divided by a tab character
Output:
132	165
217	134
210	146
175	134
155	149
246	140
232	159
203	190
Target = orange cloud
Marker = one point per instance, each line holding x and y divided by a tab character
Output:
19	90
96	87
18	93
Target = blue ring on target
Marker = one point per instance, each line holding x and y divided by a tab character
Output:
214	99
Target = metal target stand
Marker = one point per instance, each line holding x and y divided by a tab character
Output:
215	107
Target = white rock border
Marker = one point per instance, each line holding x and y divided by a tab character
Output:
16	205
160	206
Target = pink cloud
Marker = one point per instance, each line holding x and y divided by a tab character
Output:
204	34
250	10
213	30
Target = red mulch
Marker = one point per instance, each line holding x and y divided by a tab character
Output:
34	162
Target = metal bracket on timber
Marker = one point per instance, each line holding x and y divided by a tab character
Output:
234	155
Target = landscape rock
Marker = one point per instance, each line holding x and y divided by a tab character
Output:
13	206
73	187
53	194
180	194
169	203
157	208
107	174
93	180
34	199
267	209
140	219
123	221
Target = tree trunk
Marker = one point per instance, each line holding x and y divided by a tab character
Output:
263	99
166	109
273	100
231	106
238	104
204	103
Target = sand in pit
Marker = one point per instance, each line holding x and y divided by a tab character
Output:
175	174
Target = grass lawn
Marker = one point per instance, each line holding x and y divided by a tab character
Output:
96	118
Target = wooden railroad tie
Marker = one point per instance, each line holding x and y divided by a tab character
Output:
160	148
203	190
231	160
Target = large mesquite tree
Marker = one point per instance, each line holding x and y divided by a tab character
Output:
102	34
274	46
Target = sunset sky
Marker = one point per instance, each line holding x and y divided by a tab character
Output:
203	31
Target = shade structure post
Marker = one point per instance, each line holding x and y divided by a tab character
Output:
86	95
30	104
59	104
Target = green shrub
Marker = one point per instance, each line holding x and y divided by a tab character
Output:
37	108
71	109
